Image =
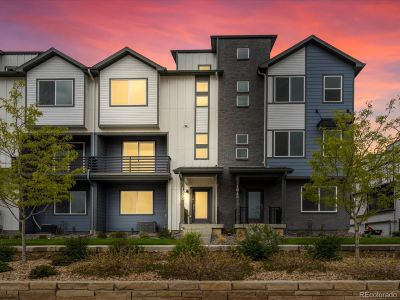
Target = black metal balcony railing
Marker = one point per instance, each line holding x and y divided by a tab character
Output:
123	164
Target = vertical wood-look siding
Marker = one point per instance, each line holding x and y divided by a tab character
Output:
128	67
191	61
58	68
286	116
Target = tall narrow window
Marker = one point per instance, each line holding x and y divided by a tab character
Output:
242	97
201	138
58	92
136	202
128	92
333	88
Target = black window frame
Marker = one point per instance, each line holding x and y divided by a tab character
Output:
289	131
289	77
70	206
319	202
38	80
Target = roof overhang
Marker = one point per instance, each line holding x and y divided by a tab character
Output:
214	38
259	171
190	72
11	74
174	53
199	170
358	65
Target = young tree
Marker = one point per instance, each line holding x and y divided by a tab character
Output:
361	157
35	170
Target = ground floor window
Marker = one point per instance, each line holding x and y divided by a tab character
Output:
76	205
326	200
136	202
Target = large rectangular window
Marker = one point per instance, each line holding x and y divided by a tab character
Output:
128	92
58	92
289	89
136	203
76	205
201	139
325	200
138	156
289	143
333	88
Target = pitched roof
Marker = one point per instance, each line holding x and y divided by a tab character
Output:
122	53
47	55
358	65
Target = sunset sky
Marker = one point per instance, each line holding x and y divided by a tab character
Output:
91	30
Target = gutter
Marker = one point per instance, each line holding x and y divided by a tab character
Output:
265	117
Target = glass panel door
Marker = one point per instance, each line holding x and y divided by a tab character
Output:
255	206
138	157
201	206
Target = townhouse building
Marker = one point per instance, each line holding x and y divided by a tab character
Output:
222	141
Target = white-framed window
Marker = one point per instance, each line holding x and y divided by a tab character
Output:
128	92
330	133
289	143
76	205
289	89
136	202
242	139
55	92
242	153
242	86
325	195
333	88
242	101
242	53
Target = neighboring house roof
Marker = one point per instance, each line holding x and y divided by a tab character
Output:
47	55
189	72
175	52
214	38
358	65
122	53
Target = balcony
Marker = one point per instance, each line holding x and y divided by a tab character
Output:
127	167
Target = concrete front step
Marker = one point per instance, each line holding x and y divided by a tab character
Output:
205	230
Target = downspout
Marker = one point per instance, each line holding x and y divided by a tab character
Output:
265	117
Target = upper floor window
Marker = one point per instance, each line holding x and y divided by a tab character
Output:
242	153
242	97
333	88
128	92
242	86
242	139
136	203
204	67
325	200
289	144
289	89
242	53
58	92
76	205
201	142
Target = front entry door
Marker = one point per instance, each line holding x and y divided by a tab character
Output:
255	206
201	205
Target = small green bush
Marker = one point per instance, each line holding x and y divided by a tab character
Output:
61	259
164	233
4	267
7	253
118	235
260	242
101	235
42	271
189	244
396	233
325	248
123	246
76	248
212	265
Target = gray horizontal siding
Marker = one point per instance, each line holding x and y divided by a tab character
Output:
202	119
58	68
117	222
319	62
129	67
191	61
291	65
13	60
286	116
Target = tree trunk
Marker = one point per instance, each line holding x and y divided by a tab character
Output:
23	241
357	240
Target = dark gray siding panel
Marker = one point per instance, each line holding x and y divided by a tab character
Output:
101	208
319	62
117	222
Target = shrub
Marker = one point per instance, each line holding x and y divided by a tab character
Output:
42	271
143	235
291	262
4	267
209	266
123	246
76	248
326	248
7	253
396	233
101	235
189	244
118	235
260	242
164	233
61	259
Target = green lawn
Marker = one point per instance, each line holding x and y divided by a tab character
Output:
364	240
92	241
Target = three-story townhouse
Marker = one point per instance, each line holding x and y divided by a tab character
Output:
224	140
